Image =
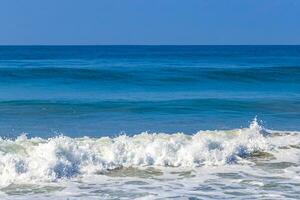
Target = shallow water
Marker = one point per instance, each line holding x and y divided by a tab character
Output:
122	122
249	163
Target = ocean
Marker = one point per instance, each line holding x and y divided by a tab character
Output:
150	122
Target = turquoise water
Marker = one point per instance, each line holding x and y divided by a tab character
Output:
149	122
106	90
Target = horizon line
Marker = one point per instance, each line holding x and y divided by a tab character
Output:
1	45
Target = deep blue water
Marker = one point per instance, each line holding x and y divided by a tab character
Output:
106	90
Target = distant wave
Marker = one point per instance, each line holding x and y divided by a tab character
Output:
162	106
154	75
35	159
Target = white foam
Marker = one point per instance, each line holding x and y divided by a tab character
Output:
47	160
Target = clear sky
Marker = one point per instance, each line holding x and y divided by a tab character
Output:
149	22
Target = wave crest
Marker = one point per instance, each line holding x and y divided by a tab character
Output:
37	159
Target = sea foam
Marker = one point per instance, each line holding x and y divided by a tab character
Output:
36	159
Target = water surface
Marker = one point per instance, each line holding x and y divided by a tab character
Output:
187	112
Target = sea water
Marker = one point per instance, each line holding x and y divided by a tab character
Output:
149	122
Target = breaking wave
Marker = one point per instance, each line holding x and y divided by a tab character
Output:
37	159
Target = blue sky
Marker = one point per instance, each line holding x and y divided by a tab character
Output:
149	22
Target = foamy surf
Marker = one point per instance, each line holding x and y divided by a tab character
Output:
59	157
40	161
